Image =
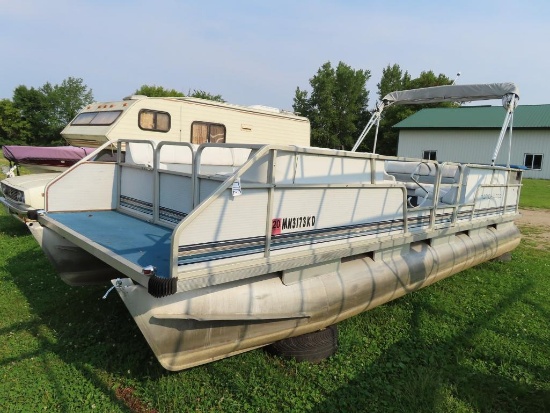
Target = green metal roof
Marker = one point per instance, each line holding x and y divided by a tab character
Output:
477	117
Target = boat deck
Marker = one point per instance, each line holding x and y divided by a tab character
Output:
137	241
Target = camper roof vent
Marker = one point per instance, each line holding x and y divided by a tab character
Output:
266	108
134	97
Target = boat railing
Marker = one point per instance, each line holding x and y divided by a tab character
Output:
248	212
237	211
452	192
161	182
437	194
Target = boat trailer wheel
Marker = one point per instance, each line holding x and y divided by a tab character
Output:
312	347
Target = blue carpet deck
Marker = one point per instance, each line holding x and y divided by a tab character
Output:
137	241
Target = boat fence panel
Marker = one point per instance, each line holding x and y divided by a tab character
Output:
291	201
136	180
175	183
475	176
136	195
322	169
86	186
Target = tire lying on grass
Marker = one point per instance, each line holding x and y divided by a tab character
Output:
312	347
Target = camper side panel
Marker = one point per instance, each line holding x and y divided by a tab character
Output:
129	128
248	126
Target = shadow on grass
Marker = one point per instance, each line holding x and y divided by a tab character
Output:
445	375
414	374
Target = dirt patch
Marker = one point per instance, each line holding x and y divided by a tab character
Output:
534	217
534	225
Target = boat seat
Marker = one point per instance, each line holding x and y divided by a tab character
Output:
447	194
424	172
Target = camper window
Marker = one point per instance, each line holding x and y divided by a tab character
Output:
154	120
204	132
97	118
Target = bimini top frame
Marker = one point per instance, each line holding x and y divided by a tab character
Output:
508	92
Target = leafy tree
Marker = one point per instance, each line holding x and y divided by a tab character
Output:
67	99
393	78
49	108
32	106
337	107
159	91
205	95
13	128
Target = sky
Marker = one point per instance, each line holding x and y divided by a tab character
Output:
253	52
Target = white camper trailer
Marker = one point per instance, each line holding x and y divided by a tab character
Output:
185	120
175	119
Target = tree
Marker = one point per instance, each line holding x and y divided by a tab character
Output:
393	78
67	99
13	128
337	107
32	107
205	95
48	109
159	91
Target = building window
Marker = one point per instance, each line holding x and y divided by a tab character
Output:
154	120
102	118
204	132
429	155
533	161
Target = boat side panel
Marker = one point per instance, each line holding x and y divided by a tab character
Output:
334	216
302	218
312	169
87	186
227	218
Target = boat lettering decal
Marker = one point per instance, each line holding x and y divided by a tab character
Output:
278	225
491	196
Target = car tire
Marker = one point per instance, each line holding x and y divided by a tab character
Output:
312	347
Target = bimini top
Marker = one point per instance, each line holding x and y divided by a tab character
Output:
508	92
451	93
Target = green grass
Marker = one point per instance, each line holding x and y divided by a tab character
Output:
535	193
476	342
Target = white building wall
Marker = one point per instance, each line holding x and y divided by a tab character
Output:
477	146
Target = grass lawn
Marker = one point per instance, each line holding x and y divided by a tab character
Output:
535	193
476	342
